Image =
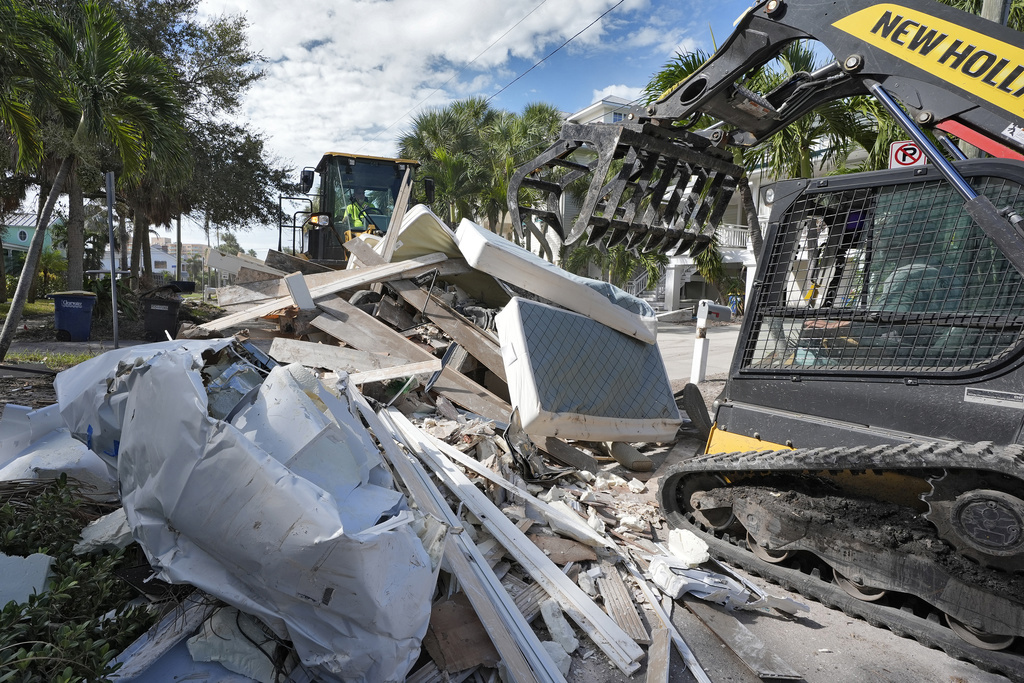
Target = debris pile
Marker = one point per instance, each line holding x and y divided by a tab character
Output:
410	481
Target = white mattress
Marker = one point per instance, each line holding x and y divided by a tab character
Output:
573	377
601	301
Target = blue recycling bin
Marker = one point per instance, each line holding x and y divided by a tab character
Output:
72	315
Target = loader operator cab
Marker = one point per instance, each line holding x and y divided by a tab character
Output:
350	195
886	275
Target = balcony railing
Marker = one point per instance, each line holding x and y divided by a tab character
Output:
732	236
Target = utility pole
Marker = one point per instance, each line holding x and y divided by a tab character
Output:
996	10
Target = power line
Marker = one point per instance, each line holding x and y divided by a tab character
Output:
462	71
555	50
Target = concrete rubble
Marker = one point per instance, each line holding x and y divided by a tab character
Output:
416	441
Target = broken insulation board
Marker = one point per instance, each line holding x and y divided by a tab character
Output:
598	300
575	378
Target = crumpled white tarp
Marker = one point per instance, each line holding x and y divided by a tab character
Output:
92	407
326	554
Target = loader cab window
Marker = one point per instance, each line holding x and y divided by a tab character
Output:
888	278
359	193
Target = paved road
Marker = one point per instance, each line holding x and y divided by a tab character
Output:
676	342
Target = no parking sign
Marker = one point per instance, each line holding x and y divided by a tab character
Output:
906	153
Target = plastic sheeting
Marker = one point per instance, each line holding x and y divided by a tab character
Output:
572	377
595	299
287	515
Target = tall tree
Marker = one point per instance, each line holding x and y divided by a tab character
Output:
110	94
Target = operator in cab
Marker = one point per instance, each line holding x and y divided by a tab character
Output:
355	212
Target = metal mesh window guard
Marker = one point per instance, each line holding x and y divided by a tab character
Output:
887	278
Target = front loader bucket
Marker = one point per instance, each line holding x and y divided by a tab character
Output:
651	188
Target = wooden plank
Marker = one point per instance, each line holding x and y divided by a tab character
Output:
361	330
299	292
659	656
529	601
606	634
335	358
563	550
275	288
520	649
455	638
481	344
463	391
289	263
346	279
395	224
408	370
248	275
618	602
231	264
564	453
748	647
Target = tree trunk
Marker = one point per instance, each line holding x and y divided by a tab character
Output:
76	234
141	268
753	223
3	270
136	247
35	250
122	237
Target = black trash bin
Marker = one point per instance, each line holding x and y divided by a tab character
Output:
160	317
184	286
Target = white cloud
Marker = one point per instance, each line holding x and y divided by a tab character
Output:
624	91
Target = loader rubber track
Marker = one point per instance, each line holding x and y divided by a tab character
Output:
927	461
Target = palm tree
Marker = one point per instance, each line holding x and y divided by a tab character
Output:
447	142
618	264
830	132
109	94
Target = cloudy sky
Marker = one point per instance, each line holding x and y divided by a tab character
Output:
349	75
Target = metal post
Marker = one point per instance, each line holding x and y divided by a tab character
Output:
113	257
699	364
923	142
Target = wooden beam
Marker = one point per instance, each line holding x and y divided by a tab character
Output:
618	603
299	292
606	634
289	263
564	453
408	370
345	280
750	649
254	292
231	264
361	330
521	651
395	224
481	344
334	358
659	657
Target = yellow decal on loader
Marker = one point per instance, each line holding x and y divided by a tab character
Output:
989	68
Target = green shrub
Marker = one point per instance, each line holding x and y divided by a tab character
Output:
73	630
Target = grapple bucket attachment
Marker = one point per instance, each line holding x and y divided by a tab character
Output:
648	187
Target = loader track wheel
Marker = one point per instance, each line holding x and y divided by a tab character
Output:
983	522
696	410
674	498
